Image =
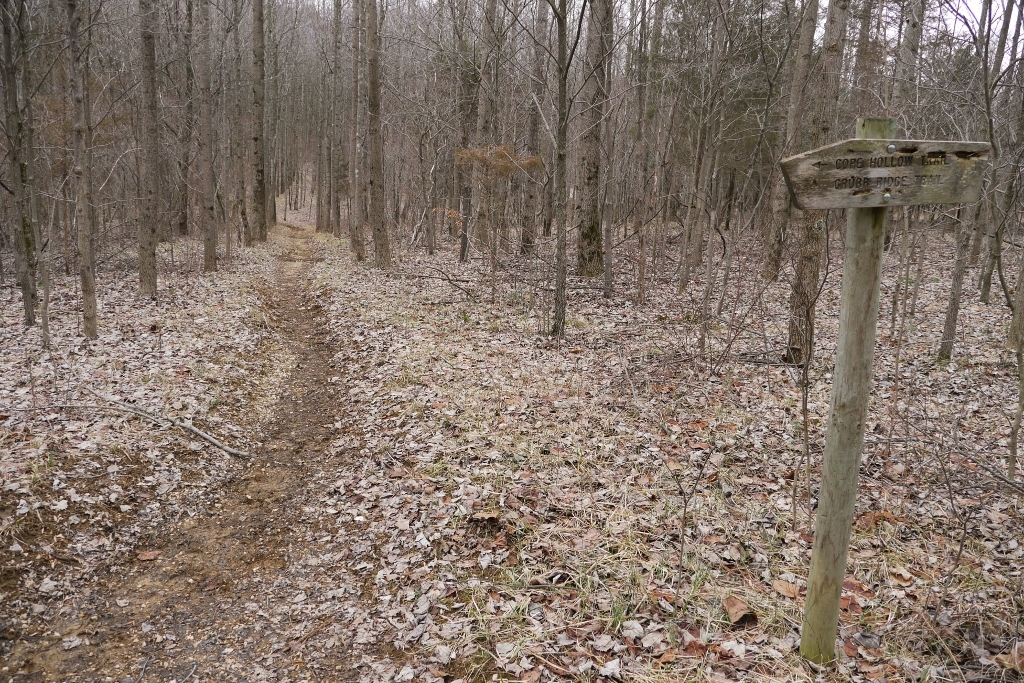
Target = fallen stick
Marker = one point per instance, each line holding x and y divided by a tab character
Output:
163	420
469	294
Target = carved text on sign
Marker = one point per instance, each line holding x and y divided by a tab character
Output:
872	173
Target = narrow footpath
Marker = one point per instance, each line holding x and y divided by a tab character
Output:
256	588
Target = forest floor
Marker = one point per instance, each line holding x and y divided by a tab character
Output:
435	491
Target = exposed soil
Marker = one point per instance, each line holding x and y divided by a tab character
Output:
231	594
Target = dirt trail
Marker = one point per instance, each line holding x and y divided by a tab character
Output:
254	589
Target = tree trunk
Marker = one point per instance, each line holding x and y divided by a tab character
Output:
605	217
562	107
864	99
535	191
595	98
207	171
80	171
273	161
185	134
804	291
259	86
797	86
150	143
484	138
355	185
234	94
338	125
991	70
963	238
24	232
906	64
922	250
381	245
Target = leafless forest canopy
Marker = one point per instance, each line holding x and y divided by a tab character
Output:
509	127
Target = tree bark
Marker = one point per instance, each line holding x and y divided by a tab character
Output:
259	87
338	124
906	64
273	160
963	239
484	139
207	171
535	191
150	148
588	210
864	99
238	121
804	291
185	134
81	170
562	107
381	245
355	185
24	232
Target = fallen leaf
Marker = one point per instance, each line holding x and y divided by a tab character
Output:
1013	660
858	588
652	640
738	611
850	604
504	649
869	520
149	555
901	576
632	629
612	668
869	641
531	676
733	648
790	590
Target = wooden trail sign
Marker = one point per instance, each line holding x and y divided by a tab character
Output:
866	175
874	173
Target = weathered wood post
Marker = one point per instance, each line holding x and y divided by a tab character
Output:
868	175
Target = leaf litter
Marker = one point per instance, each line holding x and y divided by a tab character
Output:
462	497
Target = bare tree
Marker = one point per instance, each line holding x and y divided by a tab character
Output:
381	246
150	152
259	75
595	99
812	224
561	13
807	25
355	181
12	18
82	172
208	192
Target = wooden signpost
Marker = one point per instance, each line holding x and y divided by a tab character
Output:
865	176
